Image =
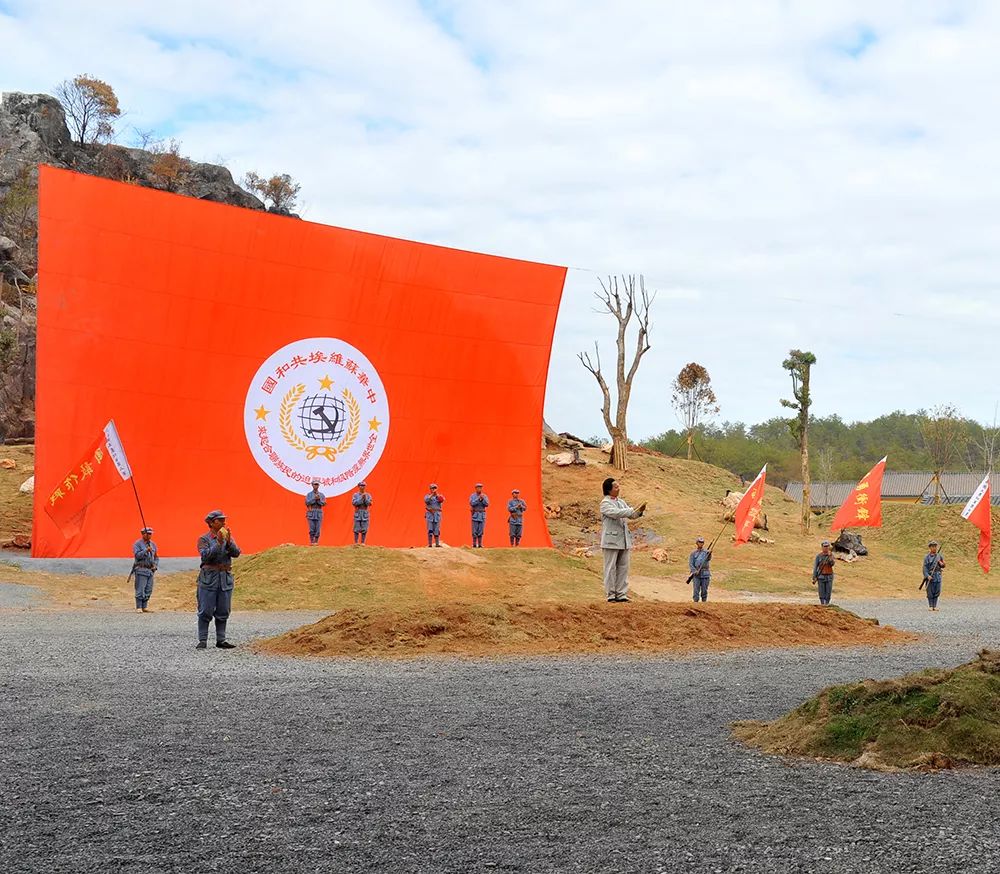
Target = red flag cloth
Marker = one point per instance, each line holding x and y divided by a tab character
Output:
245	354
102	467
748	509
977	511
863	506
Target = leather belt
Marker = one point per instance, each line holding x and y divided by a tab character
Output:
216	567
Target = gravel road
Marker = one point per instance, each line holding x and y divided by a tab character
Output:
124	749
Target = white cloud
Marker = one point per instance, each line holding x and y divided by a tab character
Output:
818	175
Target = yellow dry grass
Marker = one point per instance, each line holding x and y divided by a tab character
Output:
15	507
683	500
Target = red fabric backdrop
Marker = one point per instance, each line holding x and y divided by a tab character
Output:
158	311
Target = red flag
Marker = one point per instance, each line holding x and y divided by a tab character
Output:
977	511
863	506
102	467
748	509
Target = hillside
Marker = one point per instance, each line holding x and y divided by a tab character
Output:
683	501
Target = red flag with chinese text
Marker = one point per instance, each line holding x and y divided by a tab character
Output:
863	506
978	512
748	509
102	467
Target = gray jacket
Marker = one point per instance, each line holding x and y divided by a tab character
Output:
614	525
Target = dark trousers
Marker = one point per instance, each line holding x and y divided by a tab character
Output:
213	604
143	589
825	586
933	593
699	588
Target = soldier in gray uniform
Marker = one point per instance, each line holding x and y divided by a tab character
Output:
515	517
823	573
933	565
315	502
147	560
432	515
700	570
361	501
478	502
215	579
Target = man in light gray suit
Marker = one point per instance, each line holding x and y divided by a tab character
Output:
616	540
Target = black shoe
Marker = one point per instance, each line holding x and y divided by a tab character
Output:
623	599
612	599
201	645
225	644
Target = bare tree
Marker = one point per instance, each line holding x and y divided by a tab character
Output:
824	465
984	453
945	436
799	364
624	302
279	193
693	399
90	105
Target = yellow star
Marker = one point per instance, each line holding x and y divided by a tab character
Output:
373	424
261	412
326	382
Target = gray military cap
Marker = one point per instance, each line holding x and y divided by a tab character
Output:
215	514
826	543
699	540
933	543
362	483
433	485
516	492
315	482
479	485
145	530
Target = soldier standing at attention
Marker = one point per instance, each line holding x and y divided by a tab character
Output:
933	565
215	579
823	572
432	515
698	567
478	502
315	502
146	563
361	501
515	517
616	540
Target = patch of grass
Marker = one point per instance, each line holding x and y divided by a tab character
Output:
929	720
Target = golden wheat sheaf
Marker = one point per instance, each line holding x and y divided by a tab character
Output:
330	453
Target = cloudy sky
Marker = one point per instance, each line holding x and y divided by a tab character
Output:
820	174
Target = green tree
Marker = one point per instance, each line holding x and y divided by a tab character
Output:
91	107
799	365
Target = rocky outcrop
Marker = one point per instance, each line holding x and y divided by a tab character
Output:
33	131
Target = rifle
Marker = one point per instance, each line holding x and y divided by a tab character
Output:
708	558
937	563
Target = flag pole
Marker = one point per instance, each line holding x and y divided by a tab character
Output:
138	503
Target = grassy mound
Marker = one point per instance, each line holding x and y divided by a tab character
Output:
510	627
930	720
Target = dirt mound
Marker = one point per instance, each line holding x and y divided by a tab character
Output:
926	721
545	628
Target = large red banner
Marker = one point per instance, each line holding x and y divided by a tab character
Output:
243	354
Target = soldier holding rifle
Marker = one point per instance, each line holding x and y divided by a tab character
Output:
701	572
823	573
147	560
933	565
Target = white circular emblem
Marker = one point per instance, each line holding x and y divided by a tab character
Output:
317	409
